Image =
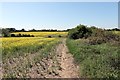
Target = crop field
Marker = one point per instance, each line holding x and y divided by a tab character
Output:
16	48
116	32
24	44
43	34
14	45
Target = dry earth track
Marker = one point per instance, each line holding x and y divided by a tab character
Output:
69	69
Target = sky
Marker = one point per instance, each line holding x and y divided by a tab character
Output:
58	15
59	0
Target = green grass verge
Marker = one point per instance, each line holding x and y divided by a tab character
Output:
96	61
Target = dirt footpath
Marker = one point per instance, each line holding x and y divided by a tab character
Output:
66	61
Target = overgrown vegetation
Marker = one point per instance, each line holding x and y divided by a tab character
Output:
21	35
100	36
97	54
6	32
80	31
96	61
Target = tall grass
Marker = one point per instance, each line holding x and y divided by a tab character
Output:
95	61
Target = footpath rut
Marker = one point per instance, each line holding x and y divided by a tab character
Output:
66	61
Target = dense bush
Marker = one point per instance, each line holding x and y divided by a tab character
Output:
80	31
96	40
94	35
5	32
49	36
12	35
99	36
21	35
59	36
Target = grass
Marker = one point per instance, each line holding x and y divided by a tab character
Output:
96	61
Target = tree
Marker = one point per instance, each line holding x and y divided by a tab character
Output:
22	30
79	32
5	32
32	30
11	29
13	35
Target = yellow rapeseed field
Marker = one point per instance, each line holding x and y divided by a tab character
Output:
116	32
19	45
26	51
15	45
22	41
43	34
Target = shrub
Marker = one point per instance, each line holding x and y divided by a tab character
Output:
80	31
49	36
12	35
96	40
99	36
21	35
5	32
32	36
59	36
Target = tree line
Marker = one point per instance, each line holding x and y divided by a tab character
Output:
6	32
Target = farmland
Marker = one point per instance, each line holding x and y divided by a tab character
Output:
19	45
43	34
116	32
90	54
27	44
16	50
